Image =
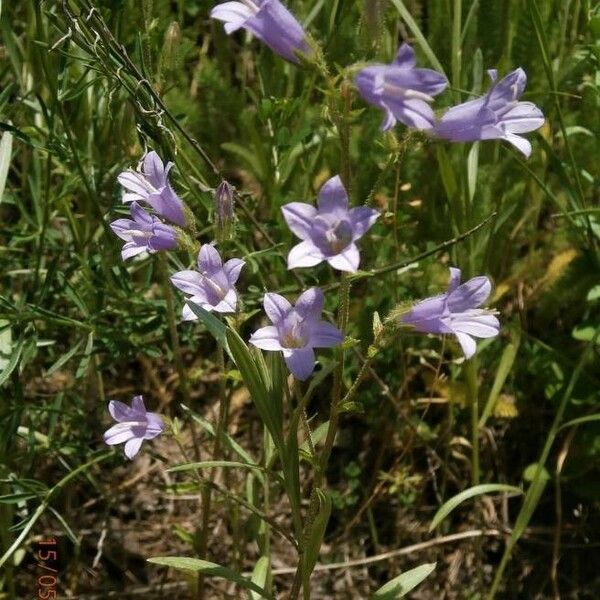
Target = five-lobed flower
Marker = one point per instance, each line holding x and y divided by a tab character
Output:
134	425
457	312
328	232
212	286
143	233
403	91
497	115
150	184
270	21
296	330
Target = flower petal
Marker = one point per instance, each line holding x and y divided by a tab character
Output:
522	118
455	275
134	182
304	254
132	447
233	14
333	196
347	260
266	338
480	324
362	219
117	434
228	304
299	217
470	294
522	144
155	426
276	307
131	249
188	282
154	169
232	269
119	411
405	59
467	343
209	259
309	304
301	362
137	405
325	335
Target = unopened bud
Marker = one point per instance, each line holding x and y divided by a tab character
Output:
224	214
170	51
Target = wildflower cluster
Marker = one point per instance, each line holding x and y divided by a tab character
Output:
329	232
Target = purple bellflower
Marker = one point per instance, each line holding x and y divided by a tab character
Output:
212	286
330	231
134	425
296	330
143	233
269	20
403	91
457	312
497	115
150	184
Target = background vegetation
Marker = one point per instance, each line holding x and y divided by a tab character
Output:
86	87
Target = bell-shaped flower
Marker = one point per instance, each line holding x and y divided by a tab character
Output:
457	312
150	184
328	232
269	20
499	115
403	91
134	425
212	286
296	330
143	233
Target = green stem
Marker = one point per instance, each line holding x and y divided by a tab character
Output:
172	323
473	391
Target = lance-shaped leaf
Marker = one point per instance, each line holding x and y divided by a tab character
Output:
259	389
476	490
315	537
183	563
401	585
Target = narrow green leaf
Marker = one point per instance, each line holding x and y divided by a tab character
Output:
253	379
506	363
213	464
477	490
184	563
215	327
5	156
401	585
580	421
261	575
12	361
64	358
316	534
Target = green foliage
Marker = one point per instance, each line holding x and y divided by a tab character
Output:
78	327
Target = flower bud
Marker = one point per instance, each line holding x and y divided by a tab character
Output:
224	214
170	51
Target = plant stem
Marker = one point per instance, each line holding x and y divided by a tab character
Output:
172	323
216	455
473	391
